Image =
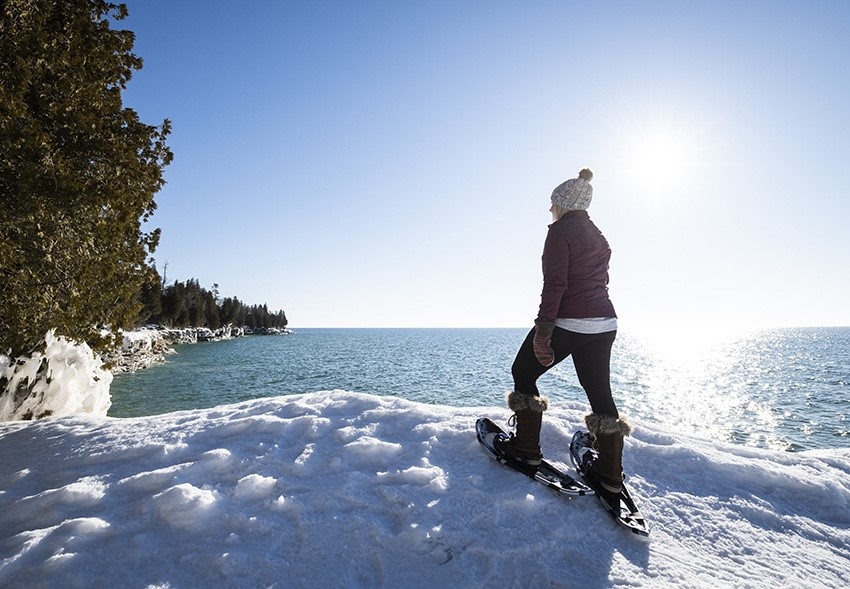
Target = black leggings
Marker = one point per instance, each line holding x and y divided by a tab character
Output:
592	359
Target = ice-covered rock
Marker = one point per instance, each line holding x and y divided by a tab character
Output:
64	379
139	350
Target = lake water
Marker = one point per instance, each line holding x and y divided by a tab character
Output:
781	389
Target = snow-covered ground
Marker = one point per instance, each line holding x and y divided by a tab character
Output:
337	489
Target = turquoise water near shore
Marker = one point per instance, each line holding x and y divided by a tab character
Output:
783	388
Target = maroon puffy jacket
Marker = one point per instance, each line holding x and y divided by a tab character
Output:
575	270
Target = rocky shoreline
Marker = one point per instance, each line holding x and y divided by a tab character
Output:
148	346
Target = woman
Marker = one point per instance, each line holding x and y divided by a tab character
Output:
576	318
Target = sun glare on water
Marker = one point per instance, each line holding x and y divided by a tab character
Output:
696	383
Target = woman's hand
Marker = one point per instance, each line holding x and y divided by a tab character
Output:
543	342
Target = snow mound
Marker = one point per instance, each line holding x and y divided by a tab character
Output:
338	489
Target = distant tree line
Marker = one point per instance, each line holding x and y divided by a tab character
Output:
188	304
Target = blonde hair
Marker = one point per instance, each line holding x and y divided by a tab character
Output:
558	212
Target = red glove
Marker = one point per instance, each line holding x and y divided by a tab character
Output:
543	342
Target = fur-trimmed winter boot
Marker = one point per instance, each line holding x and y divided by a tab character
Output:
524	445
608	433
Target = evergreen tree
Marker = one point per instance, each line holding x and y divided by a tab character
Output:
229	312
78	172
151	299
197	308
173	305
211	311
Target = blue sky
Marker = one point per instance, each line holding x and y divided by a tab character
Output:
389	164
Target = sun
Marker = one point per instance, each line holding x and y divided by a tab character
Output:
662	151
662	159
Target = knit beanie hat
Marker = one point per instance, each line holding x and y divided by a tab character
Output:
575	194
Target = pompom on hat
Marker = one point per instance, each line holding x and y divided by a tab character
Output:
575	194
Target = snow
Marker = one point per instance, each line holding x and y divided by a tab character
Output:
65	379
340	489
